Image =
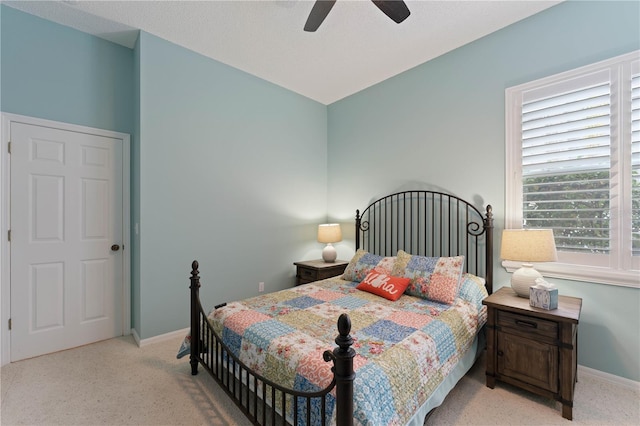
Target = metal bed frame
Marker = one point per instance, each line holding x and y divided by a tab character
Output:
421	222
429	223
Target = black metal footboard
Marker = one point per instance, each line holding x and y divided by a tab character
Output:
261	400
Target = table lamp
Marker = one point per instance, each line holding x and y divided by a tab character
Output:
527	245
329	233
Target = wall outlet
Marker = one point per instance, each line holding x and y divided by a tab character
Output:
260	287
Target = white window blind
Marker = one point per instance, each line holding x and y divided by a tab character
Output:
566	159
573	165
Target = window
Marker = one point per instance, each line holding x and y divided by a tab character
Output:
573	165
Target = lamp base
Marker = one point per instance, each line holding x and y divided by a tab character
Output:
524	278
329	254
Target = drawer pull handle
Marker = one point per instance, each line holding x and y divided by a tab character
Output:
527	324
500	353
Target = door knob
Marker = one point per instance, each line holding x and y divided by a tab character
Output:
115	247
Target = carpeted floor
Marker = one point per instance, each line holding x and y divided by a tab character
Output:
116	383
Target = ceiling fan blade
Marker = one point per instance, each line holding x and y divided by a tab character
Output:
319	11
394	9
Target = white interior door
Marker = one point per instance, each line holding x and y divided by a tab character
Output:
66	221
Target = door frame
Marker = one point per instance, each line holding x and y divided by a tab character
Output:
5	206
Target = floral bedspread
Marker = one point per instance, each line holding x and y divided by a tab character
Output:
404	349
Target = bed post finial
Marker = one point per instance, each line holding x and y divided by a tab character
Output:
195	319
194	273
344	340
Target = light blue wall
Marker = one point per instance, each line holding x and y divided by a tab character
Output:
233	172
57	73
442	125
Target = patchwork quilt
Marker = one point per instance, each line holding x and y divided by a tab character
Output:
404	348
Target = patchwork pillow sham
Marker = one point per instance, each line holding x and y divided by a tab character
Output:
384	285
473	289
364	262
432	278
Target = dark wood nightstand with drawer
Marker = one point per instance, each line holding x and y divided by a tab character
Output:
533	348
314	270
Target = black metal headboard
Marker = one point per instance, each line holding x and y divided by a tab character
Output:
429	223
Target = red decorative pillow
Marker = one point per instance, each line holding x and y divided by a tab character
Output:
384	285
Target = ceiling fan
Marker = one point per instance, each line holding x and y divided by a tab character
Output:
394	9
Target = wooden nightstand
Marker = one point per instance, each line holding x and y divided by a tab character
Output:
314	270
532	348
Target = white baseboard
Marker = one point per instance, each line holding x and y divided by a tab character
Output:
617	380
134	333
159	338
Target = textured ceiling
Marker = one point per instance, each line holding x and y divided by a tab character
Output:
356	46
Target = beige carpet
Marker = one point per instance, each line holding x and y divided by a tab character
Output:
116	383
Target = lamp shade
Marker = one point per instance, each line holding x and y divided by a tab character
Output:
329	233
528	245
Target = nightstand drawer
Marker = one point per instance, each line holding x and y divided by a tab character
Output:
315	270
527	326
308	274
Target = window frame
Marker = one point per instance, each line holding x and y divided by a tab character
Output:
619	267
